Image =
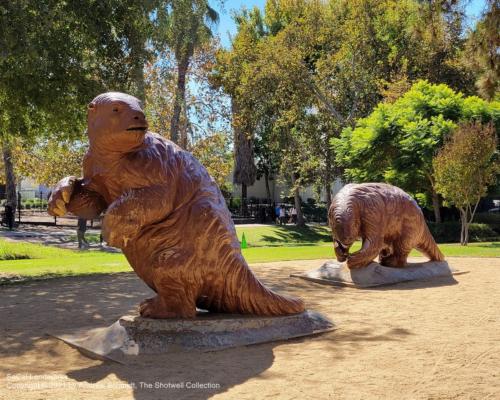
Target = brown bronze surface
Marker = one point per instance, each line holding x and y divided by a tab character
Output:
167	214
387	220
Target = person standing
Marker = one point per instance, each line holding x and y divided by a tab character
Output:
282	216
293	213
277	212
80	234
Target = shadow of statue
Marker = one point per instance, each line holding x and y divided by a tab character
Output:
188	375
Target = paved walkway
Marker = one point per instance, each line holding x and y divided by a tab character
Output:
63	237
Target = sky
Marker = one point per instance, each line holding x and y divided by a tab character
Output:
227	27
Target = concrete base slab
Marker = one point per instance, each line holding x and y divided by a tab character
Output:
133	335
335	273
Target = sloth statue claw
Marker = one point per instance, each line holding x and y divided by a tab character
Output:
168	216
386	219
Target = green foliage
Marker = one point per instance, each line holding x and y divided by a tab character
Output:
482	51
58	55
304	70
491	218
182	27
47	161
213	152
35	203
449	232
465	167
397	142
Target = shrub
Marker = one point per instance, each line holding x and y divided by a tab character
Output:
449	232
487	218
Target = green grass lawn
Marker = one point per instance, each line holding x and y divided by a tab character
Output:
289	235
266	244
270	235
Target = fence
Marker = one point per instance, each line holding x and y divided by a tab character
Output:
32	209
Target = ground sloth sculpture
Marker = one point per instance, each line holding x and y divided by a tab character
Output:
167	215
388	220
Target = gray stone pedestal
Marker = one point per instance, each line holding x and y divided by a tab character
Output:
133	335
374	274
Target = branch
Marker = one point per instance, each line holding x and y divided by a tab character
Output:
474	212
322	97
356	95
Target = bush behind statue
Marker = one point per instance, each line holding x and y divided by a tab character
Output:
449	232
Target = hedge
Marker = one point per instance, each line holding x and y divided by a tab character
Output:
449	232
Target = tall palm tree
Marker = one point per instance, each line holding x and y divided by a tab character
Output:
183	26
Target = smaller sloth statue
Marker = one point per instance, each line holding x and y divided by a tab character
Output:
387	220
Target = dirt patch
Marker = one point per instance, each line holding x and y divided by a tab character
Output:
415	340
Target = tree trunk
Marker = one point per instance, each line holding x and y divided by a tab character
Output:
10	178
244	208
179	103
464	227
140	85
328	190
298	205
268	189
466	235
244	166
328	171
435	206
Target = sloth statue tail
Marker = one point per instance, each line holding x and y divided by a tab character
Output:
428	245
245	294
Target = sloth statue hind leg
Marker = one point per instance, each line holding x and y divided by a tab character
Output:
398	257
175	293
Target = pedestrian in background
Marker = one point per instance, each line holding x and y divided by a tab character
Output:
282	216
80	234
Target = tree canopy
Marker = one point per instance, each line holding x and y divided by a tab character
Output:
397	141
464	168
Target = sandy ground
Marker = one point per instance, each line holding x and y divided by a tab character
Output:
425	340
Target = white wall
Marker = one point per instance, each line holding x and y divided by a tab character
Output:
280	190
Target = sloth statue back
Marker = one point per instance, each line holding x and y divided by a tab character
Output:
387	219
167	214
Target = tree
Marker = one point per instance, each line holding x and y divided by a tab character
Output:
397	142
266	158
229	71
482	51
207	108
183	27
335	60
438	41
55	57
465	167
213	152
48	161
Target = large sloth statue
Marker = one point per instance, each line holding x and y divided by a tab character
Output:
167	214
388	220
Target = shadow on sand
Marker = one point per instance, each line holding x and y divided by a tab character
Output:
29	311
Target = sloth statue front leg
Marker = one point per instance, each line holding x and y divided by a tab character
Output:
133	210
369	250
71	194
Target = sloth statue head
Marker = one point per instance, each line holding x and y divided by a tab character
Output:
116	122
